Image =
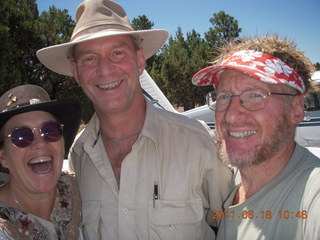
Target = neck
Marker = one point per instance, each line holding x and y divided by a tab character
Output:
122	124
122	138
255	177
37	206
120	130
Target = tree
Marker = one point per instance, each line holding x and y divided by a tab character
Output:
317	66
180	59
22	33
19	42
225	26
142	23
56	27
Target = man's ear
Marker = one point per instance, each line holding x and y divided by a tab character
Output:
297	112
141	60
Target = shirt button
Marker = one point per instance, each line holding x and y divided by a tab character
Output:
125	210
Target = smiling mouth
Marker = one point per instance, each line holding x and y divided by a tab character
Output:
109	85
242	134
41	165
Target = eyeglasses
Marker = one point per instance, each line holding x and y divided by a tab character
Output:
251	100
23	137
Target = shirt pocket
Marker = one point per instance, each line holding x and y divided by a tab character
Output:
175	219
90	219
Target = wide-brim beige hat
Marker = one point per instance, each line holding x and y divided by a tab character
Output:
97	19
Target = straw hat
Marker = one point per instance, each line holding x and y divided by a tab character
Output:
98	19
27	98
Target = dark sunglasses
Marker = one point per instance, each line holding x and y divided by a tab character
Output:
22	137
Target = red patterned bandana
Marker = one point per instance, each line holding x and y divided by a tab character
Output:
255	64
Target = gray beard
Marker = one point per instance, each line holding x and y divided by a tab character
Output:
281	135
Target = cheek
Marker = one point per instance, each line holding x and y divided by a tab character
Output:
81	71
60	149
13	159
268	121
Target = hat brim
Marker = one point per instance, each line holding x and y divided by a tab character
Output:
67	112
56	57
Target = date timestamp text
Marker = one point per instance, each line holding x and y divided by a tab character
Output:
267	214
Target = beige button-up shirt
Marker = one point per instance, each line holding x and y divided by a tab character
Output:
173	153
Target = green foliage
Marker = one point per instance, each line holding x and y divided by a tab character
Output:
19	42
317	66
22	33
55	27
141	23
182	57
225	27
179	60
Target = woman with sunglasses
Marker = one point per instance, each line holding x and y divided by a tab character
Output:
38	201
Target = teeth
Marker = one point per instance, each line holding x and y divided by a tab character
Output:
40	160
109	85
242	134
41	165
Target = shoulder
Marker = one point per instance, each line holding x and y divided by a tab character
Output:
310	175
313	182
304	158
307	170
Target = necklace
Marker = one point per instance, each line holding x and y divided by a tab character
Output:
122	138
13	198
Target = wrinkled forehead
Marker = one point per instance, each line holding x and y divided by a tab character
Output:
236	79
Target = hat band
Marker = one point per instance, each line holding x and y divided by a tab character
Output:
31	102
95	29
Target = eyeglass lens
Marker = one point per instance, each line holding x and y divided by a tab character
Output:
23	137
251	100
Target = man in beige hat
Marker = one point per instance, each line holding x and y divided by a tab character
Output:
143	173
258	103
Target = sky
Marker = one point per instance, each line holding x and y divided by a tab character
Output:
296	20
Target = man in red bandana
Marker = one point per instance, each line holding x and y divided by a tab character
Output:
258	102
